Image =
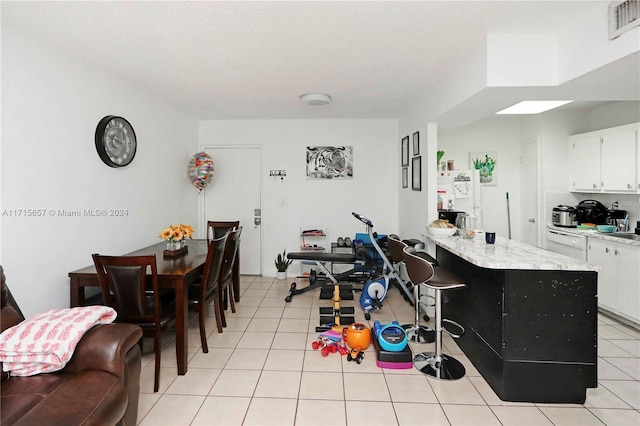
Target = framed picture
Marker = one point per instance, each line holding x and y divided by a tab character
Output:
486	162
416	173
416	143
405	151
405	177
330	162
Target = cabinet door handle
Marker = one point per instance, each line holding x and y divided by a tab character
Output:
594	186
606	249
616	252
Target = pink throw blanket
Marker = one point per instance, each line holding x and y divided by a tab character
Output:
45	342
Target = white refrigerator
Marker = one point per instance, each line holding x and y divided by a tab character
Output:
460	190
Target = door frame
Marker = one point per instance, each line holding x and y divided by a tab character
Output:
201	199
538	168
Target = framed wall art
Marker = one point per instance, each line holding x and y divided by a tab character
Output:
330	162
405	177
485	162
416	143
416	173
405	151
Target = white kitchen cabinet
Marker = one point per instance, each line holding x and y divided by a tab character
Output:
619	160
606	160
628	276
619	278
585	162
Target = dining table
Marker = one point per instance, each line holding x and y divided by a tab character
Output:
175	272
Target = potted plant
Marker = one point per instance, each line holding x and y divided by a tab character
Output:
282	263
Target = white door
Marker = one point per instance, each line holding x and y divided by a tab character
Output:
529	192
234	194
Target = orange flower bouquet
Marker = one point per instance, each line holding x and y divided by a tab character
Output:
176	235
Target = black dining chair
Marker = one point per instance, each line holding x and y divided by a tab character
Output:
202	292
227	287
124	284
216	229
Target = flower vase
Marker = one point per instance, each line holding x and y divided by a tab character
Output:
281	275
175	249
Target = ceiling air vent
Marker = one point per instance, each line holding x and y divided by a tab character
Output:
623	15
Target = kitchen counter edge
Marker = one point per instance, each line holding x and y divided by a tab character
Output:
510	254
592	233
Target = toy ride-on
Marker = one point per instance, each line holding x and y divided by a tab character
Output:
358	337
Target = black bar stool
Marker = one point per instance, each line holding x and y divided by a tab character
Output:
416	333
421	272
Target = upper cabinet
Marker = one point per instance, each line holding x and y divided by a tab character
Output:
606	160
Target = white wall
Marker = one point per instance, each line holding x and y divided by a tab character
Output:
503	135
50	108
317	204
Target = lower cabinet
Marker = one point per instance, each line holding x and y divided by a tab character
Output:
619	278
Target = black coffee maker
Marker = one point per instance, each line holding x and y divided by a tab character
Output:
449	215
592	211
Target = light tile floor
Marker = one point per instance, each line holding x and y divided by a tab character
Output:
262	371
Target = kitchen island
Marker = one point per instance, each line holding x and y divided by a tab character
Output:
530	317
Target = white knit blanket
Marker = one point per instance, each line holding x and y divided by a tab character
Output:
46	341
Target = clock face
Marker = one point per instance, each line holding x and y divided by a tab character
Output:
115	141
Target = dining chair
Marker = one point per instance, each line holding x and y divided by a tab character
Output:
207	289
227	273
216	229
123	282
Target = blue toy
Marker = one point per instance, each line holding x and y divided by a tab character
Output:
373	293
390	337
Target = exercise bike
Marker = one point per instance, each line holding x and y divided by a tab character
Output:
388	269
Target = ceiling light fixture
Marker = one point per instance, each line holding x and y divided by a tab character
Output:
315	99
532	107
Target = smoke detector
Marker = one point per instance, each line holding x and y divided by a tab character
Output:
315	99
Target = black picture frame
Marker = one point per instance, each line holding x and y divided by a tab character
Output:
405	151
416	143
416	173
405	177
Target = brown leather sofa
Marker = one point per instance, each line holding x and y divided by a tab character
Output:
99	386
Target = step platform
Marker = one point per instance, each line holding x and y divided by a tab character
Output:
402	360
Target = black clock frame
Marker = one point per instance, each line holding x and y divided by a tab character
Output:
99	141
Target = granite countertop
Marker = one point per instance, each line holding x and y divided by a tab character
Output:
509	254
593	233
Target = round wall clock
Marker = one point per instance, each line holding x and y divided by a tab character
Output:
115	141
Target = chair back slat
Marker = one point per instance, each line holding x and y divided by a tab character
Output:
127	298
230	254
395	247
217	228
212	266
419	269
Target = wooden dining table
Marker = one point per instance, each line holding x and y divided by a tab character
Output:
173	272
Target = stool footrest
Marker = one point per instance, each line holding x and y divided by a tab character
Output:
455	336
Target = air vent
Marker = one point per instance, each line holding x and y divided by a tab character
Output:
623	15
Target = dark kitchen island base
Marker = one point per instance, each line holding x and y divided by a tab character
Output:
531	333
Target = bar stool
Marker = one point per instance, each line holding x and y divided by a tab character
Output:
416	333
421	272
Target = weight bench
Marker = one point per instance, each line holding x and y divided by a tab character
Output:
330	279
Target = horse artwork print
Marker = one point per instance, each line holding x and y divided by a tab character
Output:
329	162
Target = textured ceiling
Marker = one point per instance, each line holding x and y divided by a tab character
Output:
241	60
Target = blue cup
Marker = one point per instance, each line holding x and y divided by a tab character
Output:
490	237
